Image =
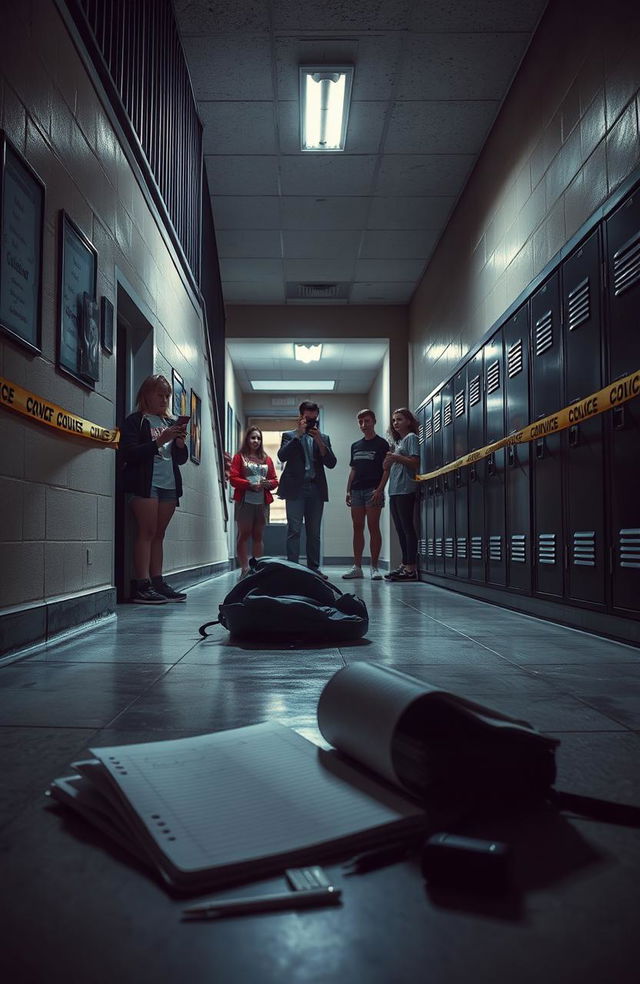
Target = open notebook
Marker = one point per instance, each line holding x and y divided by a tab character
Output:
236	805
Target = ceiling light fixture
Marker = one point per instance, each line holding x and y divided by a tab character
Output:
293	385
325	94
307	353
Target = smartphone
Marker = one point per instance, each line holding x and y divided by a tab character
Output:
183	420
311	424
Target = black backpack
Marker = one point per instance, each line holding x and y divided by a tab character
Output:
288	601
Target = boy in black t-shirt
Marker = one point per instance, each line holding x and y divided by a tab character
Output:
365	493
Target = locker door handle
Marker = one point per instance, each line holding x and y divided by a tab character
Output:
574	436
491	464
540	448
473	474
458	478
445	483
512	455
618	418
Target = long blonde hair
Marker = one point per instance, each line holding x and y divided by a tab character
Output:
150	385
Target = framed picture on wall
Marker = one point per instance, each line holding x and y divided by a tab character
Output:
179	404
78	271
21	224
89	361
106	324
195	428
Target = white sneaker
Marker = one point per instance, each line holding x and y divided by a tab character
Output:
375	574
353	573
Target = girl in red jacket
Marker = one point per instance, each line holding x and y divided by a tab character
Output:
253	478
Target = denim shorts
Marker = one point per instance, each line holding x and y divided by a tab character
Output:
162	495
362	497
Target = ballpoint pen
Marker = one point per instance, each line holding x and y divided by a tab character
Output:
264	903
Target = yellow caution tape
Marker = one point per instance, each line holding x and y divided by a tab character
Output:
611	396
43	412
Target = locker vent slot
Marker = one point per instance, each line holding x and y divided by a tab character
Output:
461	547
459	403
579	305
519	548
495	548
493	377
584	549
476	548
438	546
437	422
448	547
544	333
546	548
629	544
422	547
430	547
515	361
626	265
428	429
448	413
474	391
421	434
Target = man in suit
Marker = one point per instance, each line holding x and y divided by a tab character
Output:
303	484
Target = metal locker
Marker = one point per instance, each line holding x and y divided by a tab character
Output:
428	502
546	398
460	477
494	464
448	482
623	423
518	456
583	442
475	384
422	498
438	497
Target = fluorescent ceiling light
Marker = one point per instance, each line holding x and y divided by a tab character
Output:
293	385
325	93
307	353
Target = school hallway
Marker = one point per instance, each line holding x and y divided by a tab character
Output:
146	675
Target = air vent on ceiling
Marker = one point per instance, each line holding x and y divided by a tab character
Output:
317	292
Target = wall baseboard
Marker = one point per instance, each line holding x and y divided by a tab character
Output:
585	619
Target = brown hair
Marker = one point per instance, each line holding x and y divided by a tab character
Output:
245	450
413	421
150	385
366	413
308	405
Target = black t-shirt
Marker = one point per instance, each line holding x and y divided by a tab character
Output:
367	458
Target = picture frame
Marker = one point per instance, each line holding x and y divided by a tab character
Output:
195	429
89	351
179	395
22	198
77	277
106	325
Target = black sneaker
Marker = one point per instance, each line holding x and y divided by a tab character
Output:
391	575
403	576
146	594
167	592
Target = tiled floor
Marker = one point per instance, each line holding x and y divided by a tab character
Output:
148	675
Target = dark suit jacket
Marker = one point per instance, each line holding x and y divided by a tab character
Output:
292	453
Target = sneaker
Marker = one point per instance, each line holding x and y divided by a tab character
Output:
316	570
392	574
403	576
244	574
146	594
351	574
375	574
162	588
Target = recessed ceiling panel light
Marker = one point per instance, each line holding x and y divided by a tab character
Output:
325	94
293	385
307	353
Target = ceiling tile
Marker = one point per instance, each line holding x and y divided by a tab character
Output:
218	16
320	243
375	60
321	270
248	212
460	66
382	293
229	68
426	174
327	175
410	213
477	15
440	127
238	127
266	291
324	213
249	243
234	174
337	15
389	270
403	244
250	269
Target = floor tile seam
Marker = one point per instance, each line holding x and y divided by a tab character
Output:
599	710
134	700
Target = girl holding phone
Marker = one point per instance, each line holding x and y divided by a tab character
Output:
253	477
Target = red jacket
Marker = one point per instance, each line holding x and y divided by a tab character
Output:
241	484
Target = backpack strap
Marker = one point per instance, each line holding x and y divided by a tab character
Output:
206	625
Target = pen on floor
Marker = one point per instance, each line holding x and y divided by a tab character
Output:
379	857
308	899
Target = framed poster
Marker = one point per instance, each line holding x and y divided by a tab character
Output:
78	271
106	324
89	363
179	405
195	428
21	224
